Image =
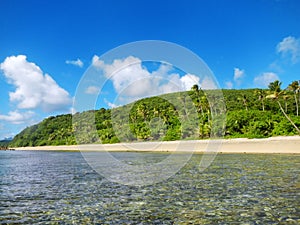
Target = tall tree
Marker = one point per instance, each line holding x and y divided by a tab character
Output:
285	98
198	91
261	97
295	88
195	88
275	86
276	93
244	100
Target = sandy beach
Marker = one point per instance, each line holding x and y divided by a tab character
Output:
288	145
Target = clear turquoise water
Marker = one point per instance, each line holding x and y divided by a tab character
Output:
60	188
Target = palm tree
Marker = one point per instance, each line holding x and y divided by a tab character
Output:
276	89
203	107
142	110
285	98
195	88
295	88
275	86
198	104
261	97
244	100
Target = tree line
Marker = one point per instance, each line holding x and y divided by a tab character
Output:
250	113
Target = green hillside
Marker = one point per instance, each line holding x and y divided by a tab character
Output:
252	113
4	144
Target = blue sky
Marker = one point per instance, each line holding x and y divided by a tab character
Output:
50	44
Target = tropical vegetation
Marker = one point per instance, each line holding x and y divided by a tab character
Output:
194	114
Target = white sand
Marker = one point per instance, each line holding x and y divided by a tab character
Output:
281	145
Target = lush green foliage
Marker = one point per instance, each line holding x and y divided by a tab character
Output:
4	144
51	131
184	115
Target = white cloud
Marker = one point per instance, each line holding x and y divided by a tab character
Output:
33	88
130	78
189	80
265	79
16	117
238	74
208	83
77	62
92	90
124	72
290	46
229	84
97	62
111	105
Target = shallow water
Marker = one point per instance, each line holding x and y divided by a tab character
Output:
60	188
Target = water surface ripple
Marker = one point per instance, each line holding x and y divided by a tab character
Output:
39	187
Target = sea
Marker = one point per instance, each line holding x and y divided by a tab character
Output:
59	187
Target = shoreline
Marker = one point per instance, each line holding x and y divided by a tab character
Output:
272	145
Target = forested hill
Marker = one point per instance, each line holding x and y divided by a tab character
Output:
252	113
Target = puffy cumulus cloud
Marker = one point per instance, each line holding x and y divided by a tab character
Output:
92	90
16	117
33	88
77	62
124	72
290	46
238	74
265	79
130	78
189	80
